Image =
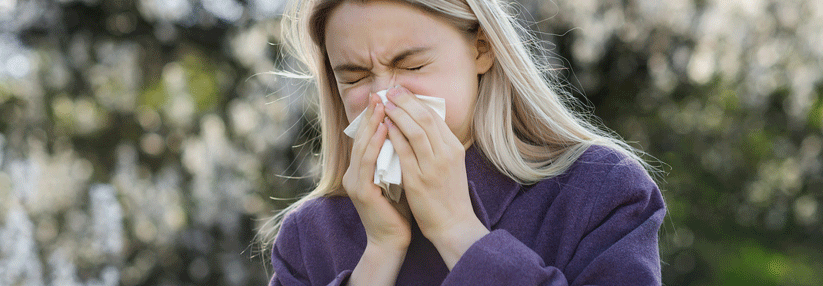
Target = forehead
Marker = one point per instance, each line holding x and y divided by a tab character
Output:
358	31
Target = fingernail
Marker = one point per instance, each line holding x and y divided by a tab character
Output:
394	91
387	121
390	105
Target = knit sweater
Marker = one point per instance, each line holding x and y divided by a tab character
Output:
596	224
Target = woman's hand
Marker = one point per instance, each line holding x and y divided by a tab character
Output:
434	175
387	230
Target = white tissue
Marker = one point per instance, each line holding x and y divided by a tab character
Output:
387	170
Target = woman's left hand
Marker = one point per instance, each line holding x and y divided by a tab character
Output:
434	175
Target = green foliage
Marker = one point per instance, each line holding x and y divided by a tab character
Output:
173	108
201	81
815	118
154	95
748	263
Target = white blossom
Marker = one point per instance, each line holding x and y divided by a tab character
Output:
19	262
63	271
108	219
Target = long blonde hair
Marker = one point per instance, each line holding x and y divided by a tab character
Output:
526	127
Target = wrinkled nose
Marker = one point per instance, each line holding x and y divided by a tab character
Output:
384	81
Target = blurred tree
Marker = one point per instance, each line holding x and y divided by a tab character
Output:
140	141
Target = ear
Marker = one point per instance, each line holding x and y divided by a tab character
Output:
483	50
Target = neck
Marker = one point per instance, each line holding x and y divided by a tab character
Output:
468	143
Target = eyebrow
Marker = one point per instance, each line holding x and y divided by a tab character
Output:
397	59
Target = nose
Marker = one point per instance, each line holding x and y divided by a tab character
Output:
384	81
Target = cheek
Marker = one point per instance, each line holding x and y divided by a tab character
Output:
460	94
355	100
458	112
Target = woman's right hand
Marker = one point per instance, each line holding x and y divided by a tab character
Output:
388	231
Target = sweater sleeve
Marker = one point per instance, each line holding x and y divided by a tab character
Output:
288	261
619	245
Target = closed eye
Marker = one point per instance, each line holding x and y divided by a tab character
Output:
353	82
415	68
352	78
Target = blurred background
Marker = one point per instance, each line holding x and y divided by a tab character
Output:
141	141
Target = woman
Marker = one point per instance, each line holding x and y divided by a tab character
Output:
511	188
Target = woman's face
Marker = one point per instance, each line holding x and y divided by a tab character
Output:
375	45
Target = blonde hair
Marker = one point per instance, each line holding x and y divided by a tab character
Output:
527	129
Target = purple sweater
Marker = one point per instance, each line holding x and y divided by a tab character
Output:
594	225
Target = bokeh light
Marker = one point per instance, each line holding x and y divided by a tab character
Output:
141	141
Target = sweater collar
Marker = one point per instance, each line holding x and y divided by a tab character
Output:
491	191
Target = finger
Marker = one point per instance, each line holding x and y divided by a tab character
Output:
366	128
373	136
414	121
451	140
446	136
369	158
408	162
420	112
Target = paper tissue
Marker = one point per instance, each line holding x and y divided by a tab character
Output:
387	170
